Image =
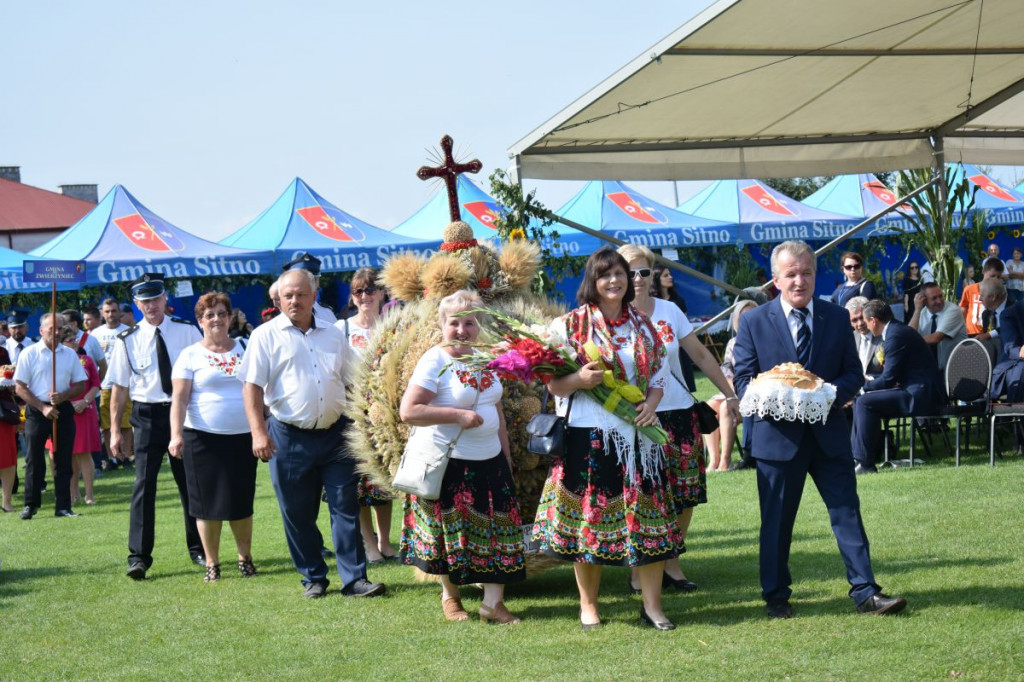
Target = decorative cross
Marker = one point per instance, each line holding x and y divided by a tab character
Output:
449	171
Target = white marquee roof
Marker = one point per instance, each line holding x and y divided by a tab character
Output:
762	88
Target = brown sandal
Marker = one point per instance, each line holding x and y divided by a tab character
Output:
453	610
499	614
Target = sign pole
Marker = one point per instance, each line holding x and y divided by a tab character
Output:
53	357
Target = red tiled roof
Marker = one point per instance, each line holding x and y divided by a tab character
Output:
23	207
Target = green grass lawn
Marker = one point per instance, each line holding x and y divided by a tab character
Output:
947	539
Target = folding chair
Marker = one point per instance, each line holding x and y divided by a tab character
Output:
968	378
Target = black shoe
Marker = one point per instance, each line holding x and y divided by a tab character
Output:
315	590
27	513
67	513
363	588
137	570
882	603
592	626
683	585
742	464
779	608
326	553
647	621
862	469
198	559
629	586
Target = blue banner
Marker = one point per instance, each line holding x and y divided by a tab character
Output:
66	271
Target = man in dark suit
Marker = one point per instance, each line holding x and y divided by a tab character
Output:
796	328
909	384
1008	372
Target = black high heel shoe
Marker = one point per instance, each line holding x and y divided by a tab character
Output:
212	574
683	585
647	621
590	626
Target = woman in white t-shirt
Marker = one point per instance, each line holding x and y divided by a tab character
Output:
686	467
210	432
367	298
471	533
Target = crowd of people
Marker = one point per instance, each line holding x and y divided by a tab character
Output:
221	398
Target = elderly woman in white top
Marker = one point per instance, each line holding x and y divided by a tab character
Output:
686	468
210	431
471	534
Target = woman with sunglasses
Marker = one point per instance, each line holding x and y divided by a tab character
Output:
911	285
855	284
685	473
367	299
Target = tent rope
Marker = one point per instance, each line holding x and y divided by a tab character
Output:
966	104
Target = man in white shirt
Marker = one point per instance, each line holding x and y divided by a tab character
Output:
867	343
295	365
45	403
106	335
141	367
84	340
939	322
17	324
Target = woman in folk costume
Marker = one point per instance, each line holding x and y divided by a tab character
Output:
607	500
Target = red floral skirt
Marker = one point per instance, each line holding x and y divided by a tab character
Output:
686	469
590	513
472	533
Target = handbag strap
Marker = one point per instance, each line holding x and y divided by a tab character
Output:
544	403
476	401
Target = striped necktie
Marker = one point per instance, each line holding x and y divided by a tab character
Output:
803	337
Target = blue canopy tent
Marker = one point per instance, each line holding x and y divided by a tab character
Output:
300	220
12	265
860	196
120	239
1002	206
476	207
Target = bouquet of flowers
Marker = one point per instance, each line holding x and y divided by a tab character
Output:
526	353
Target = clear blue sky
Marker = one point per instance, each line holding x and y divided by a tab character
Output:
206	111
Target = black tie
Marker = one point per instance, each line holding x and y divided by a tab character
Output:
803	337
935	323
163	363
986	321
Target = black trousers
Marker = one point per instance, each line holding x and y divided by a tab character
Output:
37	429
152	427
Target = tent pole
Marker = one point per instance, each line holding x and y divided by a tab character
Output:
939	172
663	261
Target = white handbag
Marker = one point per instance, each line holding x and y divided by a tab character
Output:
421	470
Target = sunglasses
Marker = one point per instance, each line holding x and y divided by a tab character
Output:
642	272
914	267
369	291
855	266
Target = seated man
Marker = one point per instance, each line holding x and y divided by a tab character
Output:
909	385
866	342
1008	372
939	322
992	294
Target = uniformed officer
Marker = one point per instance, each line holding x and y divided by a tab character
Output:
17	324
307	261
141	367
45	403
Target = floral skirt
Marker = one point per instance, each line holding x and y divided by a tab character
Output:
370	495
590	513
686	469
472	532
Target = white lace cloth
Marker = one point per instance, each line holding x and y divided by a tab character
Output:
786	403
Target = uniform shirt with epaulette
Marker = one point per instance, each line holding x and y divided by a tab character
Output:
133	364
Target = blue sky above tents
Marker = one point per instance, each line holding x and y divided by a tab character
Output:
121	238
301	220
763	214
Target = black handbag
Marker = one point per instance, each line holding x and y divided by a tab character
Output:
707	418
547	431
10	413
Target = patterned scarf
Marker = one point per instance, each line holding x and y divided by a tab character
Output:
587	323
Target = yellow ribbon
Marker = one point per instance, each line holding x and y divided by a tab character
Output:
619	389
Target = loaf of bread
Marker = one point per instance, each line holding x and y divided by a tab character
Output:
790	374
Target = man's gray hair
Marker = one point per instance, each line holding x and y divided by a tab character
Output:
992	287
856	304
56	318
795	248
304	275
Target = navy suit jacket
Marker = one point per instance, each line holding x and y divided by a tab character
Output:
909	365
1008	372
764	341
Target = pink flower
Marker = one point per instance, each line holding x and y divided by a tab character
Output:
631	523
513	364
513	516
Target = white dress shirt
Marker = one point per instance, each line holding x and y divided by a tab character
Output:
134	364
35	370
107	338
13	350
301	373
